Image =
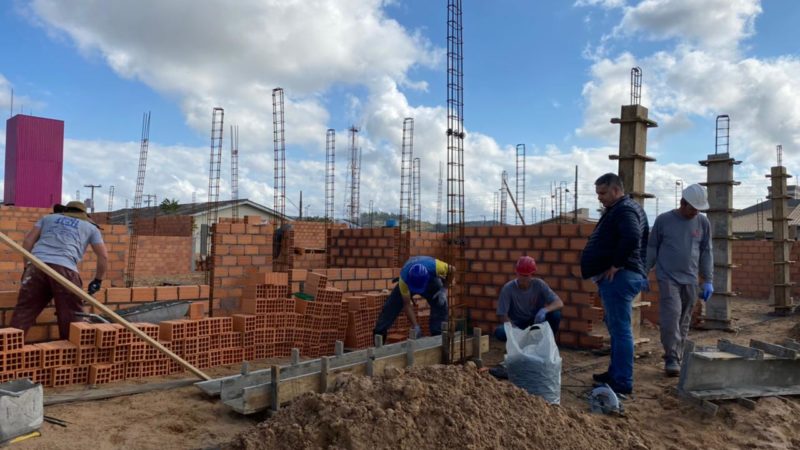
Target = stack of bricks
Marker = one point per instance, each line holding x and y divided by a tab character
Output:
362	314
364	247
302	247
402	326
236	248
492	252
15	222
46	327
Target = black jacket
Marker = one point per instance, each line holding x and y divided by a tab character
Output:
619	240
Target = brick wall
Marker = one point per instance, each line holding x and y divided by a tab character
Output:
235	249
16	222
163	255
365	247
170	225
754	277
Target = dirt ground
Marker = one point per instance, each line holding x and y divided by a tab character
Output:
492	414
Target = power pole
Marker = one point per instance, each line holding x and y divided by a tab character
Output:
91	195
110	198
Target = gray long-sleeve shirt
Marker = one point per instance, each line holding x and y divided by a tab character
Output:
679	247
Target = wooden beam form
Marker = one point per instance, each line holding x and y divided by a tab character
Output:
719	184
632	158
781	244
256	391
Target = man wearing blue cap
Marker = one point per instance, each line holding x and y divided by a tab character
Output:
427	277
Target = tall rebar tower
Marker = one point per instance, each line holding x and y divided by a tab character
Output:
235	172
455	146
496	207
355	177
133	243
110	198
278	125
215	167
439	199
503	197
416	200
406	160
520	181
330	174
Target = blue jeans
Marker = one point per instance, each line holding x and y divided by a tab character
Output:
394	306
617	297
553	318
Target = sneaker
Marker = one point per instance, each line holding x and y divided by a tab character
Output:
672	368
601	377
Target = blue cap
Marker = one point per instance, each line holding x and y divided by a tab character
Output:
417	278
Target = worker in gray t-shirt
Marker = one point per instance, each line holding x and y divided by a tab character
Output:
680	248
58	240
526	300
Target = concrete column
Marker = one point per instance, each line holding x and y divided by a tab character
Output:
781	243
719	183
632	158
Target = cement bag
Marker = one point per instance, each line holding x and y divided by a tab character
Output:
533	362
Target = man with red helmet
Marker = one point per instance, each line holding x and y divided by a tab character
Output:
526	300
427	277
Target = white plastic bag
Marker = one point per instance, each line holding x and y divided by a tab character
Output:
533	362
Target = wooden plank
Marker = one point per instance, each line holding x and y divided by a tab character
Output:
745	392
745	352
774	349
259	397
115	391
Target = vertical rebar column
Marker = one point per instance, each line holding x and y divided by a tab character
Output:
503	197
279	141
632	158
415	196
110	200
330	173
496	207
133	243
215	166
235	172
455	148
406	160
355	161
719	184
520	181
439	200
781	244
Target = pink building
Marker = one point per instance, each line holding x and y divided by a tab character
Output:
34	161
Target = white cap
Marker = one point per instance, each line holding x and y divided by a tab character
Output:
695	195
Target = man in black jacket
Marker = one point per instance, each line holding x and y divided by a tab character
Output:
614	259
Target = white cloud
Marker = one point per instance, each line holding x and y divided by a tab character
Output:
607	4
710	24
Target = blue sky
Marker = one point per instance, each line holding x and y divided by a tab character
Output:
549	74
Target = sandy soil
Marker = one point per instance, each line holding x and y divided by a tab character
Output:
491	414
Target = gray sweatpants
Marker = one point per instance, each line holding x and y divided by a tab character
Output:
676	302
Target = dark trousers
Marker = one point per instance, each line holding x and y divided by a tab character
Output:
35	292
394	306
553	318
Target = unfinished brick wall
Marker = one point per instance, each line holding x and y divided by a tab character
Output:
365	247
426	244
753	277
169	225
16	222
46	327
163	255
235	249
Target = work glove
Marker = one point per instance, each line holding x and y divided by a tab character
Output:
540	316
94	286
708	289
417	332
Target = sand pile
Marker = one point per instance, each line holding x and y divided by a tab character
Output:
434	407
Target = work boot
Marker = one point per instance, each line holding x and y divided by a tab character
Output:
601	377
499	372
672	368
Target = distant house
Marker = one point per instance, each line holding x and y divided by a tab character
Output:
755	219
569	217
200	212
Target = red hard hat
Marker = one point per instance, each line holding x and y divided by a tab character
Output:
526	266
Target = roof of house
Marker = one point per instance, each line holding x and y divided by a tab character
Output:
755	217
189	209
